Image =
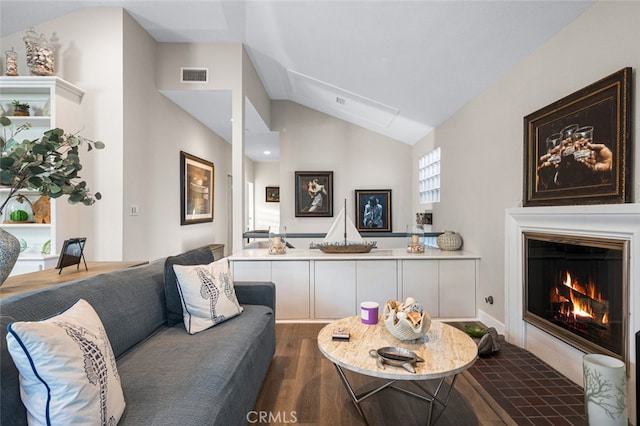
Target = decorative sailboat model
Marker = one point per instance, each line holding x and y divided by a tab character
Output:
351	241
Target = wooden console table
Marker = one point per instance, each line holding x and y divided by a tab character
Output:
48	277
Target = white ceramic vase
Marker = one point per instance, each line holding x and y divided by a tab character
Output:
9	252
605	390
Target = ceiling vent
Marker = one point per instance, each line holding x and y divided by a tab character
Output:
194	75
338	102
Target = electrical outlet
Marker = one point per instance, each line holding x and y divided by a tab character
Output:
134	210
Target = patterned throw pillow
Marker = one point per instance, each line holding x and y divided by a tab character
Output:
207	294
68	373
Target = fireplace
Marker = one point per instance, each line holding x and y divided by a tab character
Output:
575	288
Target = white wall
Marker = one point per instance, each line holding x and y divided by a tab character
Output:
359	159
92	60
266	214
156	130
482	144
143	132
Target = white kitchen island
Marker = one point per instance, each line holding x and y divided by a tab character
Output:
312	285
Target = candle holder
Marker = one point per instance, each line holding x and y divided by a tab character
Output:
415	235
277	239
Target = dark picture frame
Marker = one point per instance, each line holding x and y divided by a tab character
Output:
196	189
577	150
72	253
272	194
314	194
373	210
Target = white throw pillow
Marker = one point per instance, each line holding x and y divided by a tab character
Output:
207	294
68	373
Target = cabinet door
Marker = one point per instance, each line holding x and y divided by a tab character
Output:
255	270
420	281
335	289
457	288
376	281
292	289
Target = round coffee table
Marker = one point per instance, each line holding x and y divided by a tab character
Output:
446	351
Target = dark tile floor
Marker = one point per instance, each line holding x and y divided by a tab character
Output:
527	388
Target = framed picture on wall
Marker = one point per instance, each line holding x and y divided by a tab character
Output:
314	194
577	150
196	189
272	194
373	210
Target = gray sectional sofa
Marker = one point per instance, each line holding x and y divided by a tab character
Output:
168	376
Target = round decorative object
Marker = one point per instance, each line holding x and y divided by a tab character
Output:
18	210
9	252
449	240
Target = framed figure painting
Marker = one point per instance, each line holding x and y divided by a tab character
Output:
373	210
314	194
577	150
196	189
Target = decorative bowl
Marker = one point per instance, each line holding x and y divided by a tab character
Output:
404	328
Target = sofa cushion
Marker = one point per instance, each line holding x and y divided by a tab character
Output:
215	380
207	294
199	256
68	372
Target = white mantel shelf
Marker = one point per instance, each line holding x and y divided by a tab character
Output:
375	254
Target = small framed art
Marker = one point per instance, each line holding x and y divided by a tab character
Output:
272	194
373	210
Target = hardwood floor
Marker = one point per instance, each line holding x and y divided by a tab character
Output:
302	387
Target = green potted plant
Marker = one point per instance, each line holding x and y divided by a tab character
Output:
49	165
20	109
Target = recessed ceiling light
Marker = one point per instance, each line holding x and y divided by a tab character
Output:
267	153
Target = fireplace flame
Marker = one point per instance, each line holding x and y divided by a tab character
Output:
580	296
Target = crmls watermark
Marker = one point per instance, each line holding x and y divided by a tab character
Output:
281	417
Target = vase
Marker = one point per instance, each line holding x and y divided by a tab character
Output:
449	240
9	252
605	390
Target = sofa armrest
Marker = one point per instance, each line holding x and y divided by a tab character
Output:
256	293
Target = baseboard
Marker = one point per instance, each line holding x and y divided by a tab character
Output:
490	321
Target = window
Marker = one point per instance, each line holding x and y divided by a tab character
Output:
429	177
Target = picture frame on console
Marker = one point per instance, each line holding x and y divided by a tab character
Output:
577	150
373	210
72	253
314	194
196	189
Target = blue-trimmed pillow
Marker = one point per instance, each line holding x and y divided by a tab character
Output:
207	294
68	372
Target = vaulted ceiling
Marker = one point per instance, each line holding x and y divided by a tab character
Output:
399	68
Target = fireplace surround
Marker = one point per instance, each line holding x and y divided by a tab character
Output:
613	222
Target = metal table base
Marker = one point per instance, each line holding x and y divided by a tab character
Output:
430	397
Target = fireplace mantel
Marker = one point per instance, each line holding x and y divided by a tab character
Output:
620	221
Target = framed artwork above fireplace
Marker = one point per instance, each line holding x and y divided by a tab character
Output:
577	150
